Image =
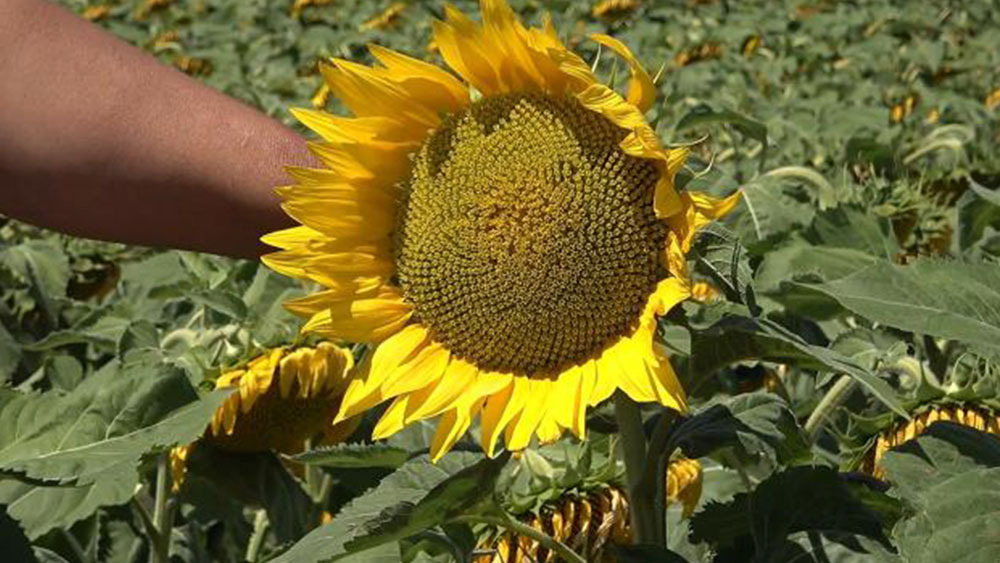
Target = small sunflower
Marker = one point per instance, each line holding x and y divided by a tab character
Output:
506	239
973	416
284	398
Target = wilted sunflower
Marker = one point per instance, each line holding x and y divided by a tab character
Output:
283	398
507	239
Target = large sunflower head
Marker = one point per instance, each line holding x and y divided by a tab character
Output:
505	238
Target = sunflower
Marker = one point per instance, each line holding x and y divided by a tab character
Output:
284	398
505	239
978	417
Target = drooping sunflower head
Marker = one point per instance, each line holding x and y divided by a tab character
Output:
283	398
506	252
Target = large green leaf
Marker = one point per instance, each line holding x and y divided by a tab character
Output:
43	508
954	300
111	419
456	494
755	526
759	423
951	475
408	484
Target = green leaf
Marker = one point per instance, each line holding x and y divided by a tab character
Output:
838	363
40	509
736	339
408	484
755	526
456	494
703	115
954	300
42	263
951	474
15	545
111	419
720	255
756	422
850	227
354	455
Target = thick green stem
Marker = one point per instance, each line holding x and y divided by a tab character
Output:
161	515
260	526
641	505
837	394
545	540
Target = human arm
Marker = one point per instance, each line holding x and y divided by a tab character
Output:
98	139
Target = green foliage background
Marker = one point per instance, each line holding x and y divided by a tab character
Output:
867	246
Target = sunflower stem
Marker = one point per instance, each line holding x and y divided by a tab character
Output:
837	394
545	540
641	507
161	515
260	526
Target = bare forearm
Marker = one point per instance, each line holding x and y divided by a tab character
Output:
100	140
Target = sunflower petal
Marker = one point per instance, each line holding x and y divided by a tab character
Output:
500	409
641	90
450	429
363	392
425	369
369	319
518	433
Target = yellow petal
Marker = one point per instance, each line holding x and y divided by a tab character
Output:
442	395
435	86
386	162
392	420
369	92
347	289
605	381
631	371
450	429
358	129
641	90
567	389
369	319
364	392
500	409
425	369
341	211
518	434
331	265
463	48
671	391
698	210
292	237
548	431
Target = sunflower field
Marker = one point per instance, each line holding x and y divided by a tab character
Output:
627	280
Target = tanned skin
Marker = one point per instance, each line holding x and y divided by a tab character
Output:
99	140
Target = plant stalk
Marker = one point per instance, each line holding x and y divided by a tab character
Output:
641	503
260	526
837	394
545	540
161	515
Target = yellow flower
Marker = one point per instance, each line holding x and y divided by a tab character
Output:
971	416
386	18
614	9
284	398
506	240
